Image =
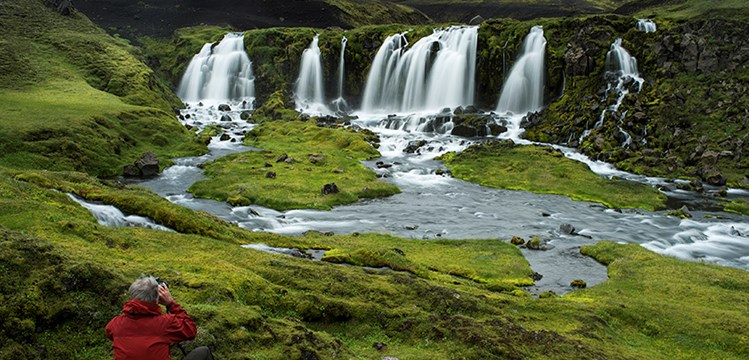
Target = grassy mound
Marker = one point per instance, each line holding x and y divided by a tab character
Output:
75	98
314	155
502	164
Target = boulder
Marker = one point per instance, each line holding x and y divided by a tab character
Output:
517	240
567	229
536	276
224	137
148	164
414	146
382	165
224	107
131	171
316	158
270	175
282	158
578	283
331	188
245	115
464	131
225	118
476	20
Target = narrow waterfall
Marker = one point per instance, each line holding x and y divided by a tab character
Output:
220	72
108	215
646	25
310	93
438	71
622	77
340	103
523	91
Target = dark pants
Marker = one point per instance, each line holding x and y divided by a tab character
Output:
200	353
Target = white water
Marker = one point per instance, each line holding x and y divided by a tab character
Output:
646	25
523	91
219	73
340	103
309	91
438	71
109	215
621	68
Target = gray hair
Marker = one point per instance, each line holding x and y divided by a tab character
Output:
145	288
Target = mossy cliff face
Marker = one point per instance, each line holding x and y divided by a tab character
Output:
687	121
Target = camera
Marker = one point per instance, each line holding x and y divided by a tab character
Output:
161	281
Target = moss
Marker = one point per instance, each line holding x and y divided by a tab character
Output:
737	206
300	178
502	164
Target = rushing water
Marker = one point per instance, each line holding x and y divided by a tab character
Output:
220	72
646	25
109	215
438	71
523	91
309	90
340	103
435	206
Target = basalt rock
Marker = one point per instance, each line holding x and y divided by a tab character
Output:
331	188
225	118
414	146
224	107
145	167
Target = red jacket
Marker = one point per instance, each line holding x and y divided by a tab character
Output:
143	332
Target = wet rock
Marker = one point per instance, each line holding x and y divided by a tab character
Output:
225	118
245	115
331	188
711	175
382	165
535	244
414	146
536	276
145	167
471	109
579	284
270	175
130	171
458	110
545	214
411	227
224	107
224	137
517	240
464	131
567	229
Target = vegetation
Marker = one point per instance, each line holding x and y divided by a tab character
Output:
76	99
502	164
302	157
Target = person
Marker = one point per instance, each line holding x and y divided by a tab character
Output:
143	332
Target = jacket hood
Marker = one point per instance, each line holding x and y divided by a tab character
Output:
137	307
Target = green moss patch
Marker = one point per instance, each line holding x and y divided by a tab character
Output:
502	164
310	157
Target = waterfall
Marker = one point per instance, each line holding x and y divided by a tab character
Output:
219	73
622	76
646	25
340	103
523	91
108	215
438	71
310	93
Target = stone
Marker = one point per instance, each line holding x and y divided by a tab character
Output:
316	158
579	284
414	146
458	110
382	165
270	175
536	276
282	158
567	229
225	118
535	244
148	164
685	210
517	240
224	137
331	188
131	171
464	131
245	115
379	346
224	107
471	109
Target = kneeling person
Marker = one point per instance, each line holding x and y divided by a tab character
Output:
142	331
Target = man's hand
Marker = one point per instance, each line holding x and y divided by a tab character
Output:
165	298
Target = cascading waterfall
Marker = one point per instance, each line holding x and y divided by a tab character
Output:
340	103
646	25
220	72
310	93
622	76
523	91
438	71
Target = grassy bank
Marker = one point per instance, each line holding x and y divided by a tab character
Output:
75	98
448	297
502	164
314	155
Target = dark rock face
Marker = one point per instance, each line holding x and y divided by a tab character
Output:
225	117
224	107
414	146
470	125
145	167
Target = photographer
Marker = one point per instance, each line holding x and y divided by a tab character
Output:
142	331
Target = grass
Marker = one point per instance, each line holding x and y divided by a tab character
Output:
695	8
501	164
737	206
76	99
320	156
65	277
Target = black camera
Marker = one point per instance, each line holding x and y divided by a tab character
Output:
161	281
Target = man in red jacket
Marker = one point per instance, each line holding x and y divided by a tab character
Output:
143	332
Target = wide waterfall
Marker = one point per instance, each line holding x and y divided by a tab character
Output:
523	91
622	77
438	71
309	92
219	73
340	103
646	25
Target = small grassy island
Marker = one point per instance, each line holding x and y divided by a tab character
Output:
78	104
